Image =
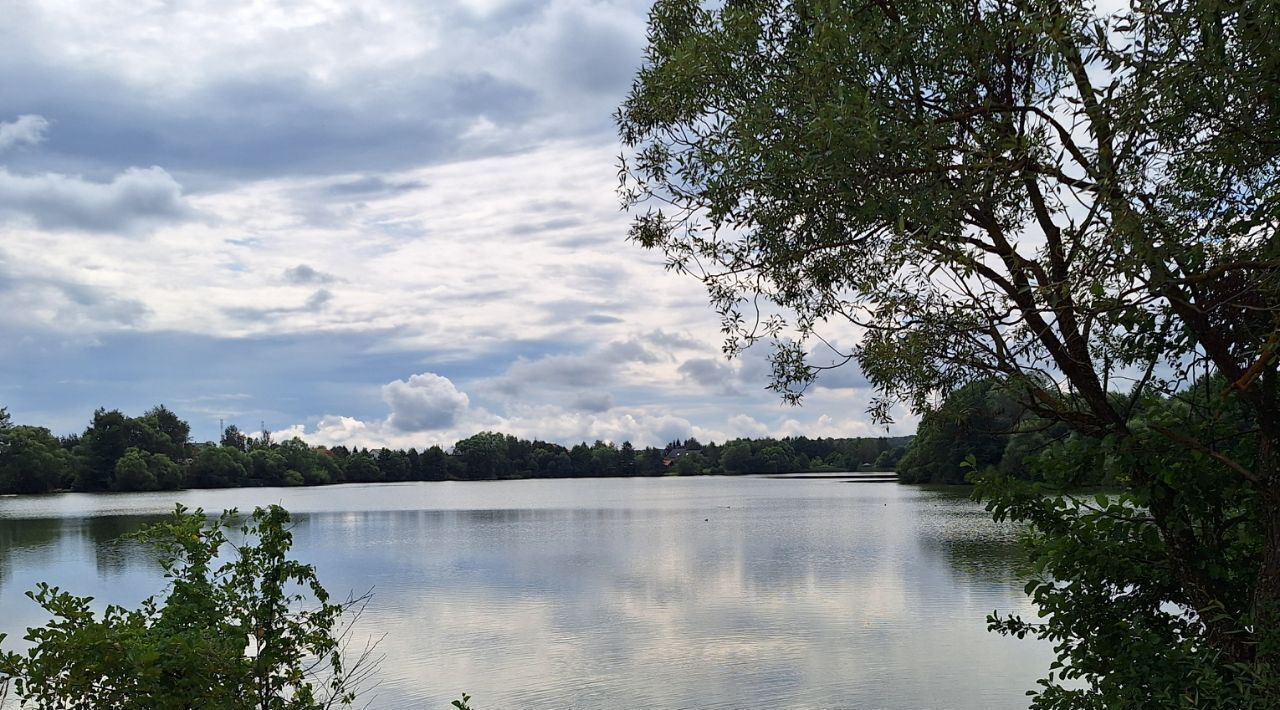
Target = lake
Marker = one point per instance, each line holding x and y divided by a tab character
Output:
701	592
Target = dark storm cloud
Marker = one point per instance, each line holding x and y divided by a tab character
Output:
103	306
752	369
588	240
557	371
594	57
318	300
480	296
632	350
673	341
842	371
570	310
542	206
844	376
749	371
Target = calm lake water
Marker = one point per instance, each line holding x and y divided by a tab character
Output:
703	592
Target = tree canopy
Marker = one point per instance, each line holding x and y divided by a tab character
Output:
1081	204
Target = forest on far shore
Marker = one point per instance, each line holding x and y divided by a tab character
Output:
154	451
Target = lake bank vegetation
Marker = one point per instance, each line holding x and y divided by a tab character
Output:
983	429
240	625
154	451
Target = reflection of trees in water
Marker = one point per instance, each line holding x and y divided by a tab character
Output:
18	535
100	534
995	560
112	554
25	535
974	545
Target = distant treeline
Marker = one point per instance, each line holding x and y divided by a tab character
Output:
154	451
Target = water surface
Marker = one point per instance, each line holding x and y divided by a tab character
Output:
704	592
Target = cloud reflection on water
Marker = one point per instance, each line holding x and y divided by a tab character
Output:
705	592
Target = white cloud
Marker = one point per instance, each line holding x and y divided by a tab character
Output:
28	128
428	409
746	426
430	183
424	402
417	263
545	422
333	430
641	426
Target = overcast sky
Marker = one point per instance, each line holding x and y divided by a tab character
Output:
386	224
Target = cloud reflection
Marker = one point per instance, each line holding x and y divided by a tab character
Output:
655	593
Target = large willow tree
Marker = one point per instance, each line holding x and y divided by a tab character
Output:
1082	203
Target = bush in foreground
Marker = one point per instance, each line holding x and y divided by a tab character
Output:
257	631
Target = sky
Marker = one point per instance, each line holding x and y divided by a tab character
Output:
386	223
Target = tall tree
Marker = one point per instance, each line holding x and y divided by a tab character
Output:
627	459
234	438
1078	203
484	454
175	431
435	464
109	435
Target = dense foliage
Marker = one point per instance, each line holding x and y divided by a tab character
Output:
981	432
154	452
32	460
1083	205
255	632
978	420
116	452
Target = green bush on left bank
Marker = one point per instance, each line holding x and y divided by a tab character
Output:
253	631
